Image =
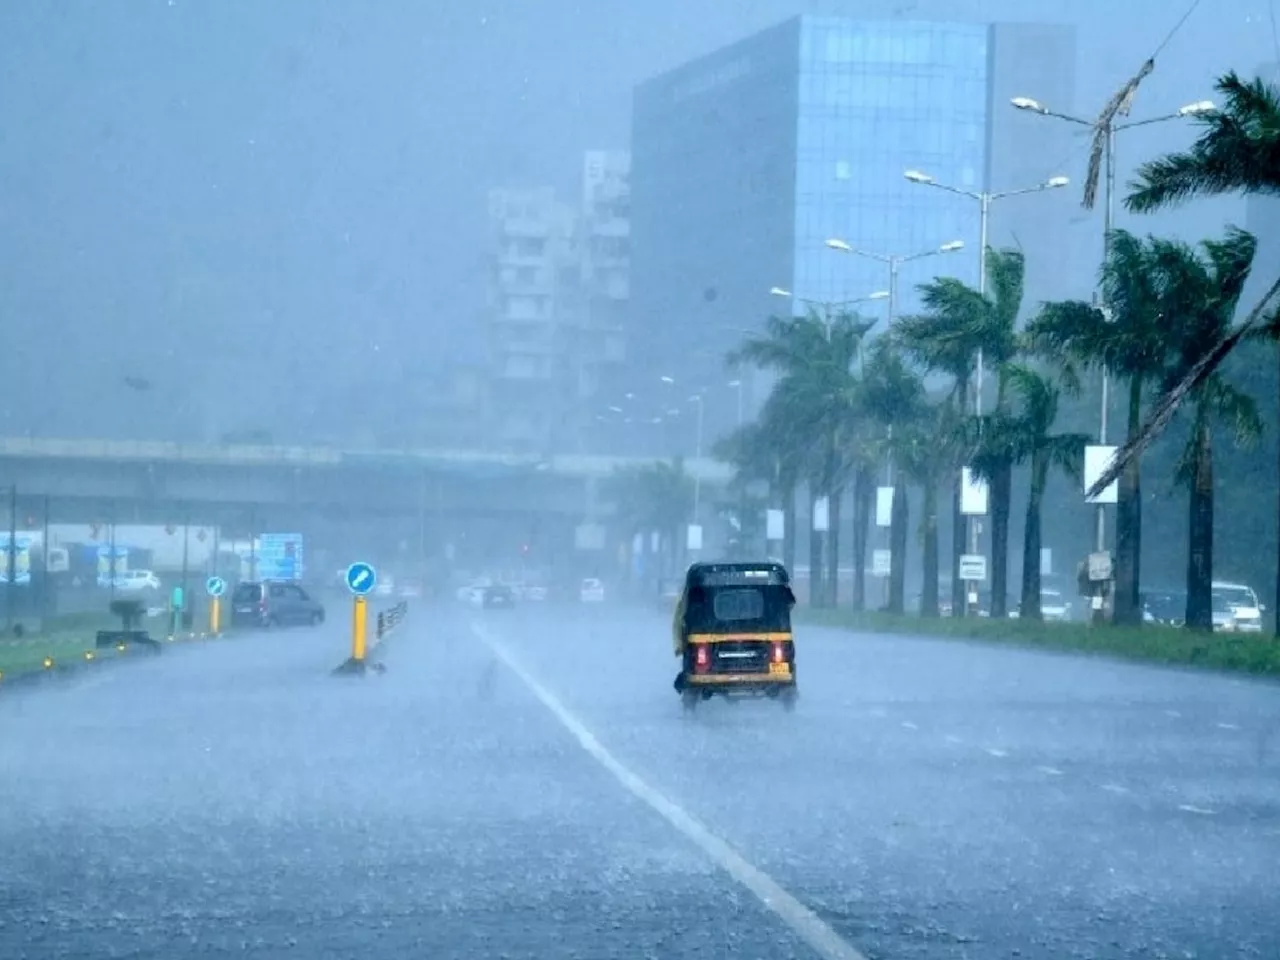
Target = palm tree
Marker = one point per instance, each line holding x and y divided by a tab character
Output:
924	452
653	497
1238	151
1131	340
892	396
811	410
957	325
1203	293
756	459
1027	433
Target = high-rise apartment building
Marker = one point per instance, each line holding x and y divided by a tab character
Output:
746	161
558	288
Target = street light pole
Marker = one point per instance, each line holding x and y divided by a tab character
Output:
1108	225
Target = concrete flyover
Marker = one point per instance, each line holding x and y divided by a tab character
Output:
210	478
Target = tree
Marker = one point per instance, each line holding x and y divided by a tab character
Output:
892	397
957	325
653	497
1027	433
812	407
1238	151
1130	340
924	451
1202	295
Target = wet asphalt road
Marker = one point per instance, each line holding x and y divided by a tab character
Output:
927	800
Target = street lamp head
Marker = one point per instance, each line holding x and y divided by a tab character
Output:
779	292
734	383
1192	109
667	379
878	295
615	409
951	246
1026	103
840	245
1058	181
915	176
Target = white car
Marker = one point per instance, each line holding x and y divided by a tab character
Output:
385	587
592	591
137	580
1241	602
1054	606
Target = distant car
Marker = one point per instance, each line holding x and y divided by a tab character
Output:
535	593
133	580
385	587
592	591
1054	606
498	595
272	603
410	589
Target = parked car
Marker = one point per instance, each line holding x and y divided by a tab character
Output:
498	595
592	591
271	603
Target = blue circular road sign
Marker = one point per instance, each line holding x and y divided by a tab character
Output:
215	586
361	577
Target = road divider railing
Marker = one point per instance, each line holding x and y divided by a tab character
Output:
362	646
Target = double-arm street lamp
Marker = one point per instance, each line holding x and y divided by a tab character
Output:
894	261
1109	131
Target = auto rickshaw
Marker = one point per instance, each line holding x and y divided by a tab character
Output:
732	633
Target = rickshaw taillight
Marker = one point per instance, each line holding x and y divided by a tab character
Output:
779	653
701	658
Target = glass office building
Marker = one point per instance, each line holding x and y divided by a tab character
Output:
747	160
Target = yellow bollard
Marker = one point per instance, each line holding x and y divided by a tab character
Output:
358	627
215	615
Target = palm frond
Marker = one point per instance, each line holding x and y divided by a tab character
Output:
1168	403
1239	149
1119	103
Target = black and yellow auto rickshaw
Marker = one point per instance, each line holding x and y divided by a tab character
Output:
732	633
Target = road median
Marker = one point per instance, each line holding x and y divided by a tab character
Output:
72	642
1257	654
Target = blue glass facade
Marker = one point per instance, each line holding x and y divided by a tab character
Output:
876	99
746	161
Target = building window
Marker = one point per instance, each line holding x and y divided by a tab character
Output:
843	170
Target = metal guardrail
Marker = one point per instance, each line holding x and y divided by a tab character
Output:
388	620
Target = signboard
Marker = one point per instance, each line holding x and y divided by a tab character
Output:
821	516
21	558
280	556
694	541
973	567
881	562
1096	460
104	564
1046	562
1099	566
588	536
361	578
775	525
973	494
884	506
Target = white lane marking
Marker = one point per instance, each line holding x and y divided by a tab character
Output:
1189	808
997	752
806	924
952	738
1114	788
1228	726
1051	771
909	725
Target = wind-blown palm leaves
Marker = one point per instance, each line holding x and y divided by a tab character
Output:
812	405
1131	341
958	324
1238	151
1202	294
1027	430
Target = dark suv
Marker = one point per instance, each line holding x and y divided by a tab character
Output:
272	603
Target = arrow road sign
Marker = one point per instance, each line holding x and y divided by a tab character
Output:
361	578
215	586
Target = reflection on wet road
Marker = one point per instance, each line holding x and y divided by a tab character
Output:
927	799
